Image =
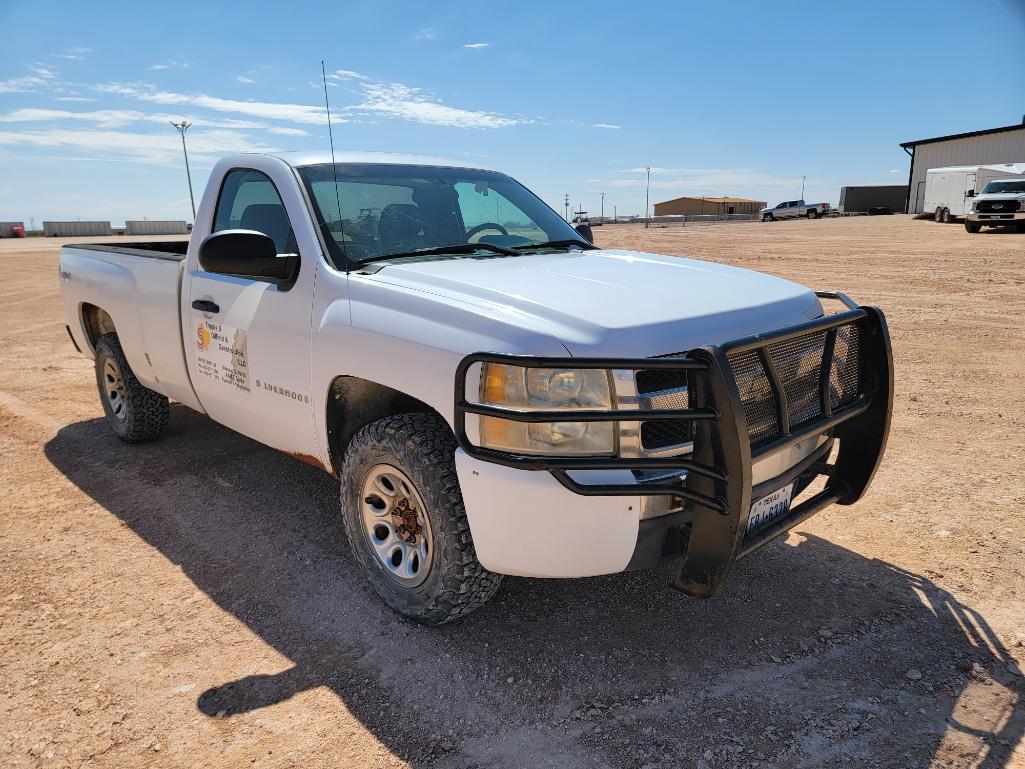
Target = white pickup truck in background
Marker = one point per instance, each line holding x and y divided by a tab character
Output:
794	209
495	394
1001	203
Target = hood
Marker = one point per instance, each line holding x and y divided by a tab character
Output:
610	302
1000	196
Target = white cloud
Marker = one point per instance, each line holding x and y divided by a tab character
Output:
295	113
288	131
894	171
476	45
346	74
173	64
244	79
400	101
426	34
41	77
394	100
158	149
605	125
75	53
111	118
75	98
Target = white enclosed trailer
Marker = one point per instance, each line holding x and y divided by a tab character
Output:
948	191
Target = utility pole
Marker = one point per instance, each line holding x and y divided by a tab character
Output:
182	127
603	206
647	190
566	203
802	186
615	216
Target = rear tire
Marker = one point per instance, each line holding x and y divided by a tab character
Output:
134	412
945	216
812	214
395	466
938	216
972	226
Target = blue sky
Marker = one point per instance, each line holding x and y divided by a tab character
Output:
734	99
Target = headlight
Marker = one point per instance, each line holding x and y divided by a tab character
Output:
545	389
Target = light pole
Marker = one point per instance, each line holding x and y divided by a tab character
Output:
182	127
802	186
647	190
603	206
566	203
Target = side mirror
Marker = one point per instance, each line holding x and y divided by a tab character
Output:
970	194
584	231
246	253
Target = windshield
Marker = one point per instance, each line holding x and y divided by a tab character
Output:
382	210
1011	185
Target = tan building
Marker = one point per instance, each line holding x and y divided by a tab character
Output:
708	206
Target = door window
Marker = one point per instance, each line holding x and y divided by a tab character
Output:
250	201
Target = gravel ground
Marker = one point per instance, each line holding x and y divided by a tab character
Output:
192	602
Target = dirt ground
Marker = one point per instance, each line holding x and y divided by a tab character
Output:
191	602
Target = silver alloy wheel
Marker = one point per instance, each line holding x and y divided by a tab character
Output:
396	525
114	390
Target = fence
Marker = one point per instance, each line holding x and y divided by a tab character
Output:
683	221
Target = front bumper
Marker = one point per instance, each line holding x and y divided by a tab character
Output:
715	483
996	218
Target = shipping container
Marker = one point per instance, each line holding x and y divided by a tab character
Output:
153	227
75	229
863	198
7	228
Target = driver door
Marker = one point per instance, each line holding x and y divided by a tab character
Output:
248	340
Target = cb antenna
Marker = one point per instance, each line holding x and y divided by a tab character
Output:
334	167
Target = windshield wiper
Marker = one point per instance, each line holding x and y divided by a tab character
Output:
455	248
582	244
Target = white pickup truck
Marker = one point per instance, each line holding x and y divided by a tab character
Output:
1001	203
794	209
495	394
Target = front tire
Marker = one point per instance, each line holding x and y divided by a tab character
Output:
404	517
767	217
134	412
972	226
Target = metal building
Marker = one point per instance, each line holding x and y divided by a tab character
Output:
976	148
690	206
72	229
861	198
153	227
7	228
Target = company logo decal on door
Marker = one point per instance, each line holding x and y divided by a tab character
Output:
222	355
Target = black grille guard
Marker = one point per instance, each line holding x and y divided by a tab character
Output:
718	483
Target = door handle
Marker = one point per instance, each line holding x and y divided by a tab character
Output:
204	305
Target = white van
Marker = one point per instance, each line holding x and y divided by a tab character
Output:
948	191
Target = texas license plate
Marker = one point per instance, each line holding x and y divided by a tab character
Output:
770	508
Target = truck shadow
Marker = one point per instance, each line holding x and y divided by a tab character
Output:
814	656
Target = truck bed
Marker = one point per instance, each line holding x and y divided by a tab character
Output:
138	284
174	250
